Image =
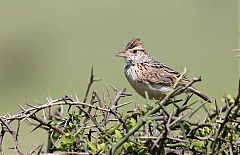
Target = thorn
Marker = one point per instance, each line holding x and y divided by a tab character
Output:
44	115
92	71
26	118
49	100
115	89
76	97
21	107
31	105
36	127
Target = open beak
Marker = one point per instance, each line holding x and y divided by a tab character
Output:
121	54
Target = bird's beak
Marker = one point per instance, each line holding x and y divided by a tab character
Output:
121	54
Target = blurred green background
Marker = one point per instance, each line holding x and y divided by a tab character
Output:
48	47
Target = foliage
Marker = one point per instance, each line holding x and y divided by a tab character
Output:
101	126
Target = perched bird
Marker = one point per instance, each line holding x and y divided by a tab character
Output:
148	75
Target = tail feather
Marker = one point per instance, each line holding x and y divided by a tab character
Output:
200	94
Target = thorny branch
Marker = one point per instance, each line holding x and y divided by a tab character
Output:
149	128
186	131
31	112
226	119
14	135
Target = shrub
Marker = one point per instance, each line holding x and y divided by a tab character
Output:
100	126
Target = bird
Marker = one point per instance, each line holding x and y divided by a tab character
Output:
145	74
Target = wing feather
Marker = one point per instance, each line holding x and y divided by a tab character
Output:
159	73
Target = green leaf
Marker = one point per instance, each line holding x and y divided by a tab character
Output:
92	147
132	122
199	144
118	134
129	147
102	146
67	134
72	139
143	151
230	98
63	139
72	126
55	135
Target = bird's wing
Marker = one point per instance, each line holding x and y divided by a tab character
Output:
159	73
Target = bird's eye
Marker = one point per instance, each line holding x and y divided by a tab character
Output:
135	51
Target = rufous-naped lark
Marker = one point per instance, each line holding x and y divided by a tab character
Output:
148	75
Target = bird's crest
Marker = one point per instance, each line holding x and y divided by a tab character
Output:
135	42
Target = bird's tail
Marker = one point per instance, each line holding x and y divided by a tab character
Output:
200	94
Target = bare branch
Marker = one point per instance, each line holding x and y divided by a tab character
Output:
14	135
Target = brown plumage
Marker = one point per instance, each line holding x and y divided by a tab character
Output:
148	75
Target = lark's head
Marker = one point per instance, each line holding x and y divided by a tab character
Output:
134	52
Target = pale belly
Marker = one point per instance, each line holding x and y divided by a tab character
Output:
156	91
